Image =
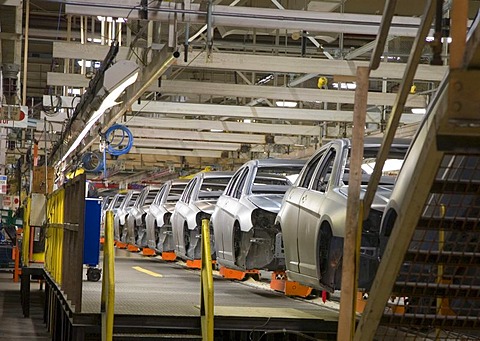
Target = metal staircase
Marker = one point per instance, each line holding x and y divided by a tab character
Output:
428	284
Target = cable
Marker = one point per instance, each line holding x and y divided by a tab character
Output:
118	148
92	162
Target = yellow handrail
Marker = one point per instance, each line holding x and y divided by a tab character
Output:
26	232
54	235
108	280
206	292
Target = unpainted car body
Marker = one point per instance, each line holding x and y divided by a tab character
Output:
313	213
110	203
196	203
243	221
158	219
135	222
122	213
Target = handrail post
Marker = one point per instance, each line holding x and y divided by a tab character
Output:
108	280
206	291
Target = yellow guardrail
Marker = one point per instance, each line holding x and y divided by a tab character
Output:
206	292
108	280
26	232
54	235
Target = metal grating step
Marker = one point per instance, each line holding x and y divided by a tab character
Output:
456	186
443	290
459	224
138	336
442	257
431	320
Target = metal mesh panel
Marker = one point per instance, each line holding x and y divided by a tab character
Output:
437	292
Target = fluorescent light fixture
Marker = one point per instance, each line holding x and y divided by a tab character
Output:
419	111
286	104
247	120
116	79
88	63
216	130
94	40
345	86
447	39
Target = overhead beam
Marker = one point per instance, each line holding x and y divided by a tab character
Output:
280	64
177	152
207	136
325	67
283	129
252	17
169	87
180	144
259	113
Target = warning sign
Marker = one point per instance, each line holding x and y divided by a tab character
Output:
3	184
11	202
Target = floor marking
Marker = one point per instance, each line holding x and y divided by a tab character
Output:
148	272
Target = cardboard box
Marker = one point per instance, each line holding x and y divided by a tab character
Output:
41	182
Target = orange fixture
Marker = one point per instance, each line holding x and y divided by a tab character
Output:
133	248
236	274
280	282
169	256
121	245
148	252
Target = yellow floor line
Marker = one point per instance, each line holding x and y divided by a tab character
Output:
148	272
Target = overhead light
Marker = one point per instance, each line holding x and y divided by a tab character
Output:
247	120
286	104
116	79
216	130
345	86
419	111
443	40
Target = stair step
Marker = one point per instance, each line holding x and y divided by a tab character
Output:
162	336
431	320
442	257
456	186
440	290
459	224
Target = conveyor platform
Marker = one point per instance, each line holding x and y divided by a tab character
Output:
154	296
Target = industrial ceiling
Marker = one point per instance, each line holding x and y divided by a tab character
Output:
220	82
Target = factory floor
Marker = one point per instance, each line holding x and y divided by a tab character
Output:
13	326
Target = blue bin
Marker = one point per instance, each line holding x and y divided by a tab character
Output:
91	245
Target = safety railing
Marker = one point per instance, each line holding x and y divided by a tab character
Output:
54	235
108	280
206	277
26	232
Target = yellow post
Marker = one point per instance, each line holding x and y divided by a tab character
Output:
26	232
206	292
108	280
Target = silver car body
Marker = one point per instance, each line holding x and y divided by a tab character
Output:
196	203
122	213
244	217
313	213
158	219
135	222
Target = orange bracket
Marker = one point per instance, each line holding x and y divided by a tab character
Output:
169	256
121	245
279	282
194	263
236	274
102	240
148	252
133	248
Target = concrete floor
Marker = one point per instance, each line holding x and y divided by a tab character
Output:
13	326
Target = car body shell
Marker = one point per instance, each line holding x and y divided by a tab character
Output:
135	221
196	203
122	214
255	190
158	219
313	214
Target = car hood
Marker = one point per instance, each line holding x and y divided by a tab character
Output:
267	202
206	206
382	196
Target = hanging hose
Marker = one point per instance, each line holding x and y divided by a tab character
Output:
92	162
116	142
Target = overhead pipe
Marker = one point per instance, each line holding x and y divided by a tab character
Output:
258	17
